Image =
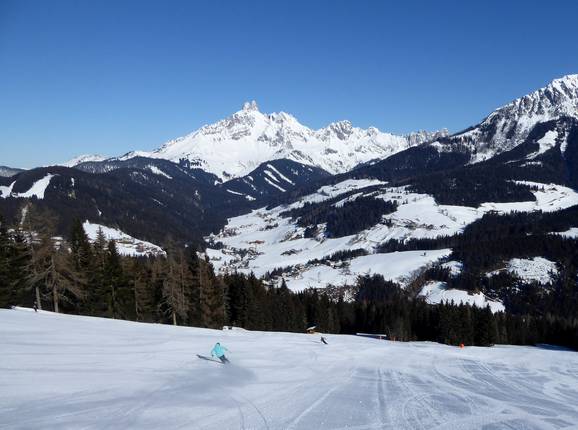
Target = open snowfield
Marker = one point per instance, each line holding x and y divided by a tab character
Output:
69	372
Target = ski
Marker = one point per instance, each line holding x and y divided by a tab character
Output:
204	357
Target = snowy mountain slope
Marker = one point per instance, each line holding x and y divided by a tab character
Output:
6	171
273	178
235	146
535	269
61	371
37	189
269	240
85	158
164	168
148	203
437	292
125	244
509	125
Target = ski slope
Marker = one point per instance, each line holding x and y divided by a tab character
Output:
69	372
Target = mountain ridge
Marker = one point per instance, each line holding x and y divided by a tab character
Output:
234	146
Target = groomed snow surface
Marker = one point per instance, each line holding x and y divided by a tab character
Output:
69	372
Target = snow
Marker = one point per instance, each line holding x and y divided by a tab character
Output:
85	158
571	233
6	191
396	265
263	240
455	267
564	145
125	244
437	292
235	192
271	175
537	269
37	189
274	185
545	143
512	123
238	144
154	169
285	178
549	198
71	372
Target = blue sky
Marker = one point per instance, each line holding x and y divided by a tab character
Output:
111	76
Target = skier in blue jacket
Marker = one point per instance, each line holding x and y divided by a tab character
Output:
219	352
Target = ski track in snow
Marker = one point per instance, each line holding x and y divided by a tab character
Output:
71	372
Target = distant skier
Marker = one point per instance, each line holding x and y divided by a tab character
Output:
219	352
324	340
35	306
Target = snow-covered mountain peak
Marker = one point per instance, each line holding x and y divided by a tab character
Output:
250	106
236	145
509	125
566	82
340	129
422	136
559	97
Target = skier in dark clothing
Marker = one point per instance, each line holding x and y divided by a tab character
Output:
324	340
35	306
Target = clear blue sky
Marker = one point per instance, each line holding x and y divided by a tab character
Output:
111	76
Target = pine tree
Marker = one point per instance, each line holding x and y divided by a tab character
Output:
82	260
173	284
485	330
6	288
118	294
211	297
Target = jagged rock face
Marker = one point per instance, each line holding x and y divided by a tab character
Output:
509	126
236	145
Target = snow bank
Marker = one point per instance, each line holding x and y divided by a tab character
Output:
70	372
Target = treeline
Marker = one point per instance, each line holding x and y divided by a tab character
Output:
75	276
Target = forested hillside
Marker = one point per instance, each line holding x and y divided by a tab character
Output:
73	275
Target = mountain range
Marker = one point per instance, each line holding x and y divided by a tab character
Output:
262	193
238	144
